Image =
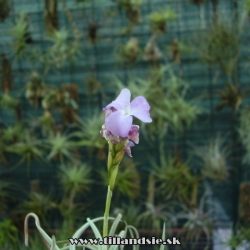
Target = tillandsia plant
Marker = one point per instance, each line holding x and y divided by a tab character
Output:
20	35
213	159
121	134
158	20
128	53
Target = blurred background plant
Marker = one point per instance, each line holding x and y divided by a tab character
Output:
57	75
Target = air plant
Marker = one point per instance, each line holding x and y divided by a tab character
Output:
35	90
62	50
4	9
244	133
29	148
231	96
176	180
158	20
213	159
13	133
51	16
151	51
129	52
128	180
11	103
75	179
220	45
198	221
20	35
61	146
89	132
7	78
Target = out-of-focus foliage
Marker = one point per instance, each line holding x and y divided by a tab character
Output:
213	159
158	20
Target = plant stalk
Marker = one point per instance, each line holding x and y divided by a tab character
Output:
106	213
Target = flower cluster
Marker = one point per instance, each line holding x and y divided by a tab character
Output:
118	119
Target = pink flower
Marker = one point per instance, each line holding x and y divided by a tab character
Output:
120	112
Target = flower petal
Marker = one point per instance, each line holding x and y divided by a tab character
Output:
128	145
140	109
122	101
118	123
133	134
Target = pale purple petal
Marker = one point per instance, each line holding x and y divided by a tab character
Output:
108	111
133	134
140	109
128	145
122	101
118	123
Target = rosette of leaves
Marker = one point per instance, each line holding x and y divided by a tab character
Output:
61	146
11	103
176	180
13	133
74	179
213	159
158	20
88	133
129	52
127	181
231	96
244	133
198	221
29	149
4	9
62	50
20	35
219	46
35	90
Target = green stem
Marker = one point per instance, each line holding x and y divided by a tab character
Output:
106	213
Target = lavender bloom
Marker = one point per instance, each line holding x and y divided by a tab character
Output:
118	123
119	113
